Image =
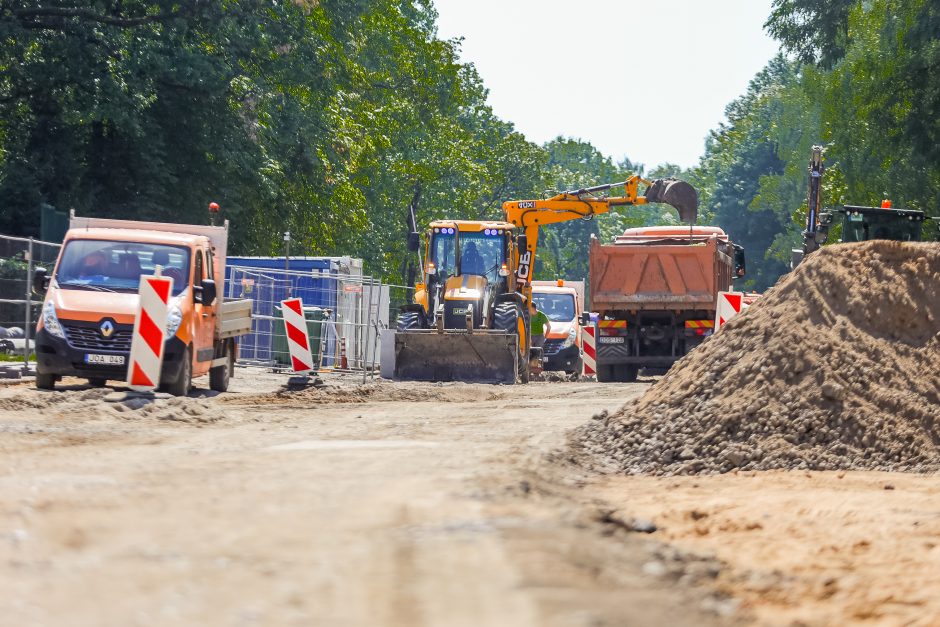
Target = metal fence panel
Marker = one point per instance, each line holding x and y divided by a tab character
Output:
354	310
19	308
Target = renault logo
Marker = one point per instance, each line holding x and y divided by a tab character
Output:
106	328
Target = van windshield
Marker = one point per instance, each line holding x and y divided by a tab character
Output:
558	307
117	266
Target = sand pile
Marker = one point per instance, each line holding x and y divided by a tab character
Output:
836	367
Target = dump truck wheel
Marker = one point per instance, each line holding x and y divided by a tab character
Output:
626	373
605	374
408	320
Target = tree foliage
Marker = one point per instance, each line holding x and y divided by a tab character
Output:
865	83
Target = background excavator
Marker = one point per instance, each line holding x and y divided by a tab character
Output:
859	224
470	316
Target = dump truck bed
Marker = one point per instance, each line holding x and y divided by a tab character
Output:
659	273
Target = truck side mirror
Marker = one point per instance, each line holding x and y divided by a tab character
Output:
205	293
740	266
414	241
40	281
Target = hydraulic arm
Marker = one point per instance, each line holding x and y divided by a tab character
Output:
586	203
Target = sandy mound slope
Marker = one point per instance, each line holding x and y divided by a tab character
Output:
836	367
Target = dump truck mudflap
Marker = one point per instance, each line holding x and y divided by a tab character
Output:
456	355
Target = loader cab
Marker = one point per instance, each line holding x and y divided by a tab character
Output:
466	267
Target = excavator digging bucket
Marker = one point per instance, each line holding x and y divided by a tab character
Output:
677	193
478	357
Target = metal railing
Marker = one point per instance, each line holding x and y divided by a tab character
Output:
19	307
346	314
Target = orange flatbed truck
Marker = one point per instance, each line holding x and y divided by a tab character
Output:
654	291
91	301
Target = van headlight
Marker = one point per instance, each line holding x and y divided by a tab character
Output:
572	336
50	321
174	317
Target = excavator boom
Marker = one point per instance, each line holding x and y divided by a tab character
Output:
586	203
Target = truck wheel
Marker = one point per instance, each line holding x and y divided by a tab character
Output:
220	376
184	382
408	320
627	373
605	374
45	381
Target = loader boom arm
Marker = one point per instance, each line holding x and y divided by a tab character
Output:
585	204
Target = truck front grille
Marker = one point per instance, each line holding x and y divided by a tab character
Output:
87	336
552	346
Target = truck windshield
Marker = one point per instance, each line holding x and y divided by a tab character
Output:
869	226
482	253
558	307
105	265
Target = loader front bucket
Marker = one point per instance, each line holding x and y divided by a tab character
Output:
479	357
677	193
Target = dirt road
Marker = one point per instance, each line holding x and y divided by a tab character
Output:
422	504
383	505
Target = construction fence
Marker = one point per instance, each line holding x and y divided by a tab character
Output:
19	307
345	313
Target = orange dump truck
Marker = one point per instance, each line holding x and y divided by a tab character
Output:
654	291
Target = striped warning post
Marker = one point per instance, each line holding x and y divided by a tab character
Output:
589	350
729	305
146	357
295	326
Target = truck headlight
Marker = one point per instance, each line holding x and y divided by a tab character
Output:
174	317
50	321
572	336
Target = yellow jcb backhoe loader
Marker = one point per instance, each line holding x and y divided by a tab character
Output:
470	318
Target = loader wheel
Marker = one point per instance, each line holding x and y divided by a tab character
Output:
506	317
408	320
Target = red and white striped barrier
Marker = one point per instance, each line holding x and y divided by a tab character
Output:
146	357
729	305
297	340
589	350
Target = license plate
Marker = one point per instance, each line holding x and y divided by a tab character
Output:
613	339
104	360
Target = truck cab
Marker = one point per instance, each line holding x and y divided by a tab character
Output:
562	302
91	301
